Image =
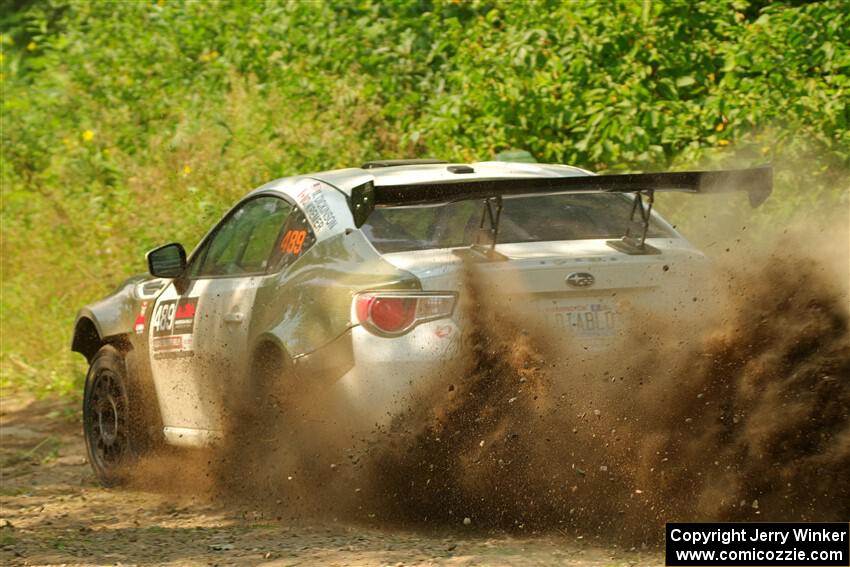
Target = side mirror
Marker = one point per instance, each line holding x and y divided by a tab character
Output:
167	261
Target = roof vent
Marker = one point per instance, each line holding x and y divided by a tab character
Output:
398	162
460	169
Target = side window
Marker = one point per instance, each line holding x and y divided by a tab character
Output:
245	241
295	239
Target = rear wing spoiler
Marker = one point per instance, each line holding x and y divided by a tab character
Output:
756	182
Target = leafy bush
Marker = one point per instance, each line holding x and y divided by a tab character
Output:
128	124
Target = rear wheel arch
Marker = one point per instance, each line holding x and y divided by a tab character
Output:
269	359
271	381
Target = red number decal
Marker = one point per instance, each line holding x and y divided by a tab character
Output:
293	242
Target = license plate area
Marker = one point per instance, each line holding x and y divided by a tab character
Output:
583	318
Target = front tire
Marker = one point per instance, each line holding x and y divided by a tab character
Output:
113	417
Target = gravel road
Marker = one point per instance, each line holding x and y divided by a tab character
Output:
53	513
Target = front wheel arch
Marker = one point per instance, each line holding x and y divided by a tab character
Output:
87	340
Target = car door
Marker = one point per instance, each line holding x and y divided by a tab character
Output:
199	327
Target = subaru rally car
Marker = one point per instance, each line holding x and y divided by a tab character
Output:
348	280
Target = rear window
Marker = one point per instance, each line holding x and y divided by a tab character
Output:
524	219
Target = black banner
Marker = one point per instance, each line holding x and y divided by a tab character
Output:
760	544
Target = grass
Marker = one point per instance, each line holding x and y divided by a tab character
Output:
114	141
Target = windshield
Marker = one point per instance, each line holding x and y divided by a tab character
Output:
524	219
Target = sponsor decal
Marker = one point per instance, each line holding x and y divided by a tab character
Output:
139	324
172	325
184	316
316	207
449	342
443	331
174	346
161	344
175	317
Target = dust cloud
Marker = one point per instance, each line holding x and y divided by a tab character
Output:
742	413
739	413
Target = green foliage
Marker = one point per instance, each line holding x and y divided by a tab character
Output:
127	124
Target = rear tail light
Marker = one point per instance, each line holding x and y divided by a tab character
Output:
395	313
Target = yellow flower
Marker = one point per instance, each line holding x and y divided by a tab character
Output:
187	169
32	46
88	135
720	127
2	57
711	77
208	56
723	142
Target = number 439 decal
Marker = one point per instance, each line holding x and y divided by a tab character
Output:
293	242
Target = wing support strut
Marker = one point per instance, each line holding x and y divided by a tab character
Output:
641	212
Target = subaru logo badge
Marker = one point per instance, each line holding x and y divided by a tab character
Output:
580	279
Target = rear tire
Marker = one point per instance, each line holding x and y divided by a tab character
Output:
116	422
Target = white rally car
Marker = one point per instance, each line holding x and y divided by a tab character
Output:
347	281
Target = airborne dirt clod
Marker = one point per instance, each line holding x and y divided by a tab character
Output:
740	414
53	513
743	414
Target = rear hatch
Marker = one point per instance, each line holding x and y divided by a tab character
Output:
580	290
556	267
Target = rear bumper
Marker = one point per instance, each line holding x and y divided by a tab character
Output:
390	375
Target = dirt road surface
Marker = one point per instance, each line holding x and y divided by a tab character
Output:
52	512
